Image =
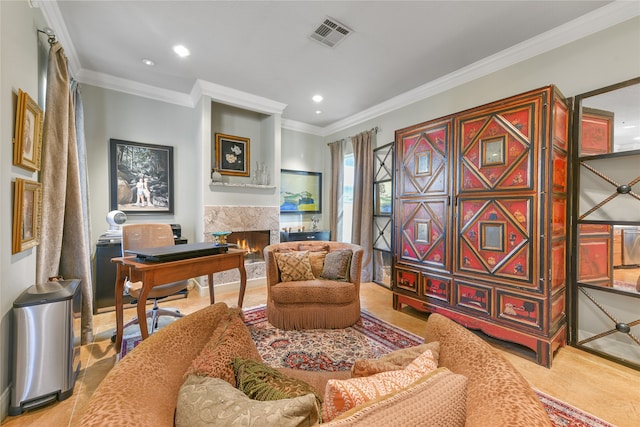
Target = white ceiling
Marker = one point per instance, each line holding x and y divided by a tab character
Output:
263	48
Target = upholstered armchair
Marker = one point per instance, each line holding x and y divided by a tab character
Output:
313	285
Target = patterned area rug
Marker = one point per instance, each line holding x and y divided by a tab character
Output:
336	350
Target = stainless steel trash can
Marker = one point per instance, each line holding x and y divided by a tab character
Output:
46	344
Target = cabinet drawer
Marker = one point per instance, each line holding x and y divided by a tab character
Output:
436	287
471	296
521	310
407	280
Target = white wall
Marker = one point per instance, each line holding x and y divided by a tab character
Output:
304	152
110	114
19	69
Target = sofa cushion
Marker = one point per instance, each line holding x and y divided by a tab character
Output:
314	291
229	340
206	401
261	382
294	266
336	265
395	360
342	395
439	396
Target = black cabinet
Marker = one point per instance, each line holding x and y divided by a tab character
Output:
295	236
104	278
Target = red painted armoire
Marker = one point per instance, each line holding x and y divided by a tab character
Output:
480	219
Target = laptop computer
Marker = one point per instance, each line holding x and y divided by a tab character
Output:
178	252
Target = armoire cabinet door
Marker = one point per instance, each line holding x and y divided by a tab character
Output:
496	148
424	165
494	239
423	225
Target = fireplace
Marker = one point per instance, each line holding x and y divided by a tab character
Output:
252	228
252	242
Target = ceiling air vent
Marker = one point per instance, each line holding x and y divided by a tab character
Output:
330	32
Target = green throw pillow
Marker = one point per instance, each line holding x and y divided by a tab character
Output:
261	382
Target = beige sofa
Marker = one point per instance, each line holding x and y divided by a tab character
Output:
142	389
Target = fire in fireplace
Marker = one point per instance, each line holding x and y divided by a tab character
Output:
252	242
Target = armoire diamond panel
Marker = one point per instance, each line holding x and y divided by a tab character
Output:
481	217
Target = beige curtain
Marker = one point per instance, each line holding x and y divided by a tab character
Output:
337	181
64	245
362	226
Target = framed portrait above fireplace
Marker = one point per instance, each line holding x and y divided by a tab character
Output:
232	155
300	192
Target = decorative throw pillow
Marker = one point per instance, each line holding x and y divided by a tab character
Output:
229	340
213	402
316	259
294	266
445	392
342	395
336	265
393	361
314	247
261	382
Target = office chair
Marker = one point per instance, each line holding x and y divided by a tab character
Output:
141	236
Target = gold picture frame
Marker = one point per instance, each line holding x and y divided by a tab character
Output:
232	155
27	215
27	143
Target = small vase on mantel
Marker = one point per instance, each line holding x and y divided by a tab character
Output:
215	176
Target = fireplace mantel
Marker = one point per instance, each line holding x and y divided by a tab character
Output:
214	186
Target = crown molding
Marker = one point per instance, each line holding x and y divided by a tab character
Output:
591	23
302	127
107	81
237	98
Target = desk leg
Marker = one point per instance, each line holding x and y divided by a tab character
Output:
212	297
120	276
142	306
243	281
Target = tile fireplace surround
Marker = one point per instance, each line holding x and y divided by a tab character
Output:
241	218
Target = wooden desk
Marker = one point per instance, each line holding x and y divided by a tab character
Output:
159	273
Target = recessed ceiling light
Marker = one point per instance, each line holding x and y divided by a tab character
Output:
317	98
181	51
148	62
318	112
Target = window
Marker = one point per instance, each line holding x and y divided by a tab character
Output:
347	198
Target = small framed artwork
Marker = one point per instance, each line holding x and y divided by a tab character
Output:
28	133
492	236
493	151
27	215
300	192
422	231
232	155
141	177
423	163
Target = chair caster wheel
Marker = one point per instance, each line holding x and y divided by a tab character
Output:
113	338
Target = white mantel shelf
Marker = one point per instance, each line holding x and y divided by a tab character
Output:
216	185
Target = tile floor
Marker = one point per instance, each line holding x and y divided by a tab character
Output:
603	388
